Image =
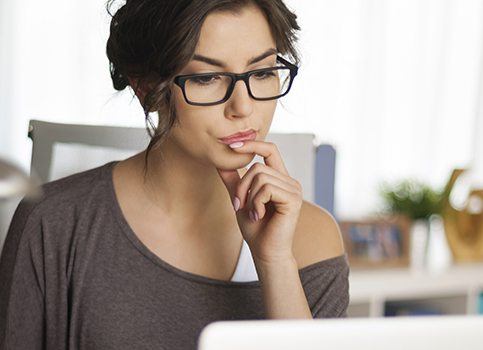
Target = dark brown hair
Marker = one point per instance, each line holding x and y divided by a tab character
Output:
151	41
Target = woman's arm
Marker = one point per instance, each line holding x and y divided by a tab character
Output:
282	290
317	239
22	282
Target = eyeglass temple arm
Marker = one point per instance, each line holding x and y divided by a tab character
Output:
284	61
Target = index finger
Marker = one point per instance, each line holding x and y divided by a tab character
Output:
268	150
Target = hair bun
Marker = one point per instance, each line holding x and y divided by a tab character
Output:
119	81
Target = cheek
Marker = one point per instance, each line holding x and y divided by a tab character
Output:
191	130
194	125
266	113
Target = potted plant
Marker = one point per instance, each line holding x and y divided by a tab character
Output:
419	202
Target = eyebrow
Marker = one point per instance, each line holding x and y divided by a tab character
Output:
215	62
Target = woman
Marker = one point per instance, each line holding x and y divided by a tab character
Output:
142	253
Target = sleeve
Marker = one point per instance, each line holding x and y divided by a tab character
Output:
326	286
22	281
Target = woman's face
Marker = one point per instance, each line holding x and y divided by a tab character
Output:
233	40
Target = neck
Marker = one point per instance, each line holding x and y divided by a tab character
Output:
184	190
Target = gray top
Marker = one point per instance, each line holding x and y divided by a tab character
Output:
74	275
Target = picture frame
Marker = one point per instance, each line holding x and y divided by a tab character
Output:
378	242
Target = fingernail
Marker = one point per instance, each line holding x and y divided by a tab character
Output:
255	214
236	203
250	214
236	144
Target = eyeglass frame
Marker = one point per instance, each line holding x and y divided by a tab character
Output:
180	80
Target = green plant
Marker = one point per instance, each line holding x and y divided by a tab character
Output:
412	198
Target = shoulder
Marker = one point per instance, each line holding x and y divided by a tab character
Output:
59	200
317	236
74	185
74	188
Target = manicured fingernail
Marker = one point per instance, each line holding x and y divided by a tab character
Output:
255	215
236	144
252	214
236	203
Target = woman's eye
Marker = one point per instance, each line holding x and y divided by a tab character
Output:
206	79
263	75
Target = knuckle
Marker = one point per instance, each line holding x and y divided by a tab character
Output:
257	166
255	182
259	179
262	177
274	147
267	187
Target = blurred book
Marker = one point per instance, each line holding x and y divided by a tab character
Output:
377	242
480	304
409	310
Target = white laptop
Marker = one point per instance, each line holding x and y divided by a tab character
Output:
403	332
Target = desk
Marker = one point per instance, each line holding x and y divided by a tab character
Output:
453	291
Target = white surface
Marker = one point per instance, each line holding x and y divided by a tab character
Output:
404	283
402	333
453	291
245	270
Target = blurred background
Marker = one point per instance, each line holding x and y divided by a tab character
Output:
394	86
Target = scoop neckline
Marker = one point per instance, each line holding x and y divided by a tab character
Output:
189	276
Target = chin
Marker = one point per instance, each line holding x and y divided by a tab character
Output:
233	160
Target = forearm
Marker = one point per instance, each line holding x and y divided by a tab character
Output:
283	294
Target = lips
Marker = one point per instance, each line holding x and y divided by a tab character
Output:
240	136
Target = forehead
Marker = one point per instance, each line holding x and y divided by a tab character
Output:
235	38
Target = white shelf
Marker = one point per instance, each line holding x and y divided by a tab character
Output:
454	290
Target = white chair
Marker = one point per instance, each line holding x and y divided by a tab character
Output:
312	165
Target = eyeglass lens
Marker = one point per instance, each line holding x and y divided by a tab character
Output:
212	88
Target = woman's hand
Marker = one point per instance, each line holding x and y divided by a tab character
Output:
274	197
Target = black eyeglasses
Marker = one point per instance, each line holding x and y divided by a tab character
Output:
207	89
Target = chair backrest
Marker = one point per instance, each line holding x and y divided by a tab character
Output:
312	165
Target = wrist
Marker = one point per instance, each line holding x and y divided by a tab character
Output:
275	265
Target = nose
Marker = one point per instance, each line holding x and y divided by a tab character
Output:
240	103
